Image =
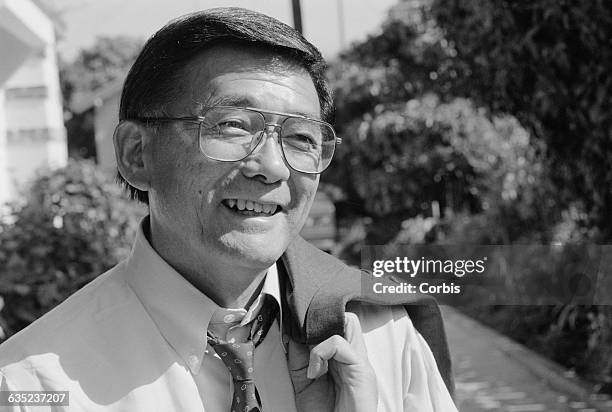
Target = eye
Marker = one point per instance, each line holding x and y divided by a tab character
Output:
301	142
232	126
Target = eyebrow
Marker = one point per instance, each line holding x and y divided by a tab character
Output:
243	101
231	100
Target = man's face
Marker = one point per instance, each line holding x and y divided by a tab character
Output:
195	202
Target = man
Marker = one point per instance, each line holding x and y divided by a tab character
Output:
223	133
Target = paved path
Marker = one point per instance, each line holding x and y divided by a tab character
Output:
488	378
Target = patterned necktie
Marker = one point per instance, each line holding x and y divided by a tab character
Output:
238	357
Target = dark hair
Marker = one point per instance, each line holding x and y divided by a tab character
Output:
153	79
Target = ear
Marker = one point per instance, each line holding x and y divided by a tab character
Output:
131	141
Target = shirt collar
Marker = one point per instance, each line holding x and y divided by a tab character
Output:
179	310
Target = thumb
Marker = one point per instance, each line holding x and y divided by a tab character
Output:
354	334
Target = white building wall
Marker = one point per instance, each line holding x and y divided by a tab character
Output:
24	28
5	193
36	137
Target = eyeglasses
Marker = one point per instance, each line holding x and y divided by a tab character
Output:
230	134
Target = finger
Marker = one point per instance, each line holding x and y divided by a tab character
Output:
336	348
354	334
352	376
317	367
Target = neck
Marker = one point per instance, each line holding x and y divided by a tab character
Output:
228	285
223	291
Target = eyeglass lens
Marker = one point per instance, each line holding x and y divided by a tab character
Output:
231	134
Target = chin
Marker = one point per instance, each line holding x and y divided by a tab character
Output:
256	249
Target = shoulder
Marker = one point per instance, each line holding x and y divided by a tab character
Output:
69	334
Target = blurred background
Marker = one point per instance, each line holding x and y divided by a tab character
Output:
463	122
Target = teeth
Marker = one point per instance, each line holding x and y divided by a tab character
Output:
242	204
269	208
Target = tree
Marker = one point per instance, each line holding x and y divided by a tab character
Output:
525	155
549	63
372	78
410	143
108	59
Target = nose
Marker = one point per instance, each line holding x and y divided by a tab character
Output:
266	162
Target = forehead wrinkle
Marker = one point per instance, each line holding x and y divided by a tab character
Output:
202	68
214	98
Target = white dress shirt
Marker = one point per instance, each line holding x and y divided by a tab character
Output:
134	339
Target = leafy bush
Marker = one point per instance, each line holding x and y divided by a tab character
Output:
74	224
549	63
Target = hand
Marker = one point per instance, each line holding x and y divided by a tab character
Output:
352	386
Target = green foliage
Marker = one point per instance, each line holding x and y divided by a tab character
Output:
410	144
75	224
522	160
405	160
107	60
404	61
549	63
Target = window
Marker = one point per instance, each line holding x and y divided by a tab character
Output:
26	92
28	135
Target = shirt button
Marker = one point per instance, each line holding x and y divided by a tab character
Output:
228	318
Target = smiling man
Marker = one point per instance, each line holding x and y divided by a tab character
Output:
224	130
236	203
